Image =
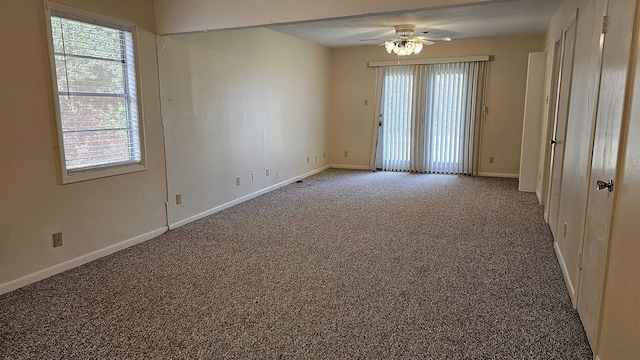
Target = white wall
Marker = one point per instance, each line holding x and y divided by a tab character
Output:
237	102
91	215
183	16
353	82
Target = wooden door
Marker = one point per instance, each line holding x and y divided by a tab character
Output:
560	125
611	108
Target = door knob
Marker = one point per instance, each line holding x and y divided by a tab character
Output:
604	185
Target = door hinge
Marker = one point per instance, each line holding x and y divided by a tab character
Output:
605	24
580	261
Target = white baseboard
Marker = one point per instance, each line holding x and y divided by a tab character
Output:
565	274
500	175
245	198
81	260
539	197
350	167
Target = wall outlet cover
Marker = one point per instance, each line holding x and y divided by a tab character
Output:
57	239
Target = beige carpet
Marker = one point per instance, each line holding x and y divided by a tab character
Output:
346	265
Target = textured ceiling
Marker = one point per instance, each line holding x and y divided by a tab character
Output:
500	18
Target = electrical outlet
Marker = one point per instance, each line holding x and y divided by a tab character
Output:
307	159
491	159
346	153
366	102
237	180
324	155
267	172
57	239
316	158
178	199
565	230
253	176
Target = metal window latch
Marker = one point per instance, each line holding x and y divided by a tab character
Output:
600	185
554	141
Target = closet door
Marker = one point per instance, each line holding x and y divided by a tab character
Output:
611	109
560	125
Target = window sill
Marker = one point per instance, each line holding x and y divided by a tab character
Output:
99	173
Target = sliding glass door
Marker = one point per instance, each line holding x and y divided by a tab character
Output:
430	118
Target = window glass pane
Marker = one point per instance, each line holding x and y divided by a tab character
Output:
92	112
95	148
74	37
89	75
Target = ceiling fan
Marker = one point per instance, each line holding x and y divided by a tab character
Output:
405	43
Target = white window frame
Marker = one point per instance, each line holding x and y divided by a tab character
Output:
97	171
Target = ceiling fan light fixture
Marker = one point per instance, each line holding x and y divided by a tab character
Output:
403	47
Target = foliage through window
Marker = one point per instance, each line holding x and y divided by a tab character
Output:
96	91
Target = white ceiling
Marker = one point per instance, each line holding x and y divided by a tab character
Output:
498	18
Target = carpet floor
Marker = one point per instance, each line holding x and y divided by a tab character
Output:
347	264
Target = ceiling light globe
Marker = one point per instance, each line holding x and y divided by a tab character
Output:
389	46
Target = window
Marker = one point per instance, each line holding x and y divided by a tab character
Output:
96	93
431	118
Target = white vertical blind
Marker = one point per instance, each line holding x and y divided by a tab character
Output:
431	117
397	104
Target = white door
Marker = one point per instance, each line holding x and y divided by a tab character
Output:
611	107
552	99
560	126
579	140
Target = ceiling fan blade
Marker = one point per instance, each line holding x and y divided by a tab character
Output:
423	41
433	38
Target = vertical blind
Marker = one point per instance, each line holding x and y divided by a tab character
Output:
97	95
397	105
431	117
